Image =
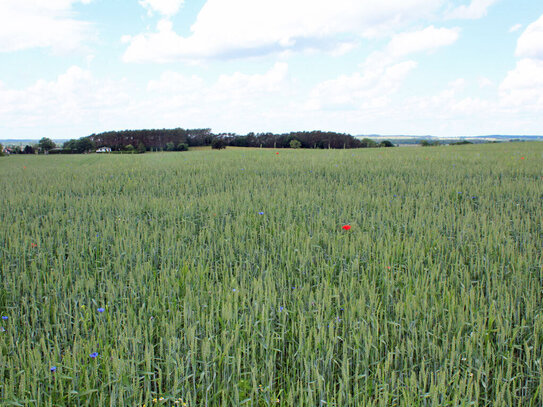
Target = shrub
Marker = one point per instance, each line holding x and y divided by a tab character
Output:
141	148
170	146
426	143
182	147
129	148
28	150
218	144
295	143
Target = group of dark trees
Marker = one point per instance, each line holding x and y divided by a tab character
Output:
140	141
179	139
154	139
302	139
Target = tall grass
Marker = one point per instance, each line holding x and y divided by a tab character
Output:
433	297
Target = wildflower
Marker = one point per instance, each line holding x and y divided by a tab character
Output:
277	153
2	329
234	290
346	227
94	355
261	213
100	310
4	318
281	309
53	369
161	399
522	158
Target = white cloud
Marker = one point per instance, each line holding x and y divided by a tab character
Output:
475	10
369	89
164	7
74	98
523	86
484	82
238	28
41	24
428	39
530	43
515	28
175	82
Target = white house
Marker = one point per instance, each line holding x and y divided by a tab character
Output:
104	150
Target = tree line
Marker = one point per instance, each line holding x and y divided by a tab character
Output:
181	139
177	139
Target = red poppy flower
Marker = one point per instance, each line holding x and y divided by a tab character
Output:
34	245
522	158
346	227
277	153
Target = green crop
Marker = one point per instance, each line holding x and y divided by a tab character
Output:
226	278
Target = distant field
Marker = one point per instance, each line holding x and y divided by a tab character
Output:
225	278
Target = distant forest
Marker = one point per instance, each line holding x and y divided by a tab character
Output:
140	141
163	139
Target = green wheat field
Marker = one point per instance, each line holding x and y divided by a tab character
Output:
226	278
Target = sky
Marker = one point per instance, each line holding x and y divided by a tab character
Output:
449	68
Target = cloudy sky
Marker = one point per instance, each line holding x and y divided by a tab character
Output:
69	68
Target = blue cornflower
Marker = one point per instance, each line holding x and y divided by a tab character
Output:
53	369
94	355
100	310
234	290
261	213
4	317
281	309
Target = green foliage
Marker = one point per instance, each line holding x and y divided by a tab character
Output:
80	146
29	150
386	143
429	143
129	148
170	146
368	143
141	148
218	143
432	298
1	150
46	144
182	147
295	143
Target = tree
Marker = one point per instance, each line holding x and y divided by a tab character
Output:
84	145
1	150
129	148
386	143
295	143
46	144
170	146
218	144
28	150
182	147
426	143
141	148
